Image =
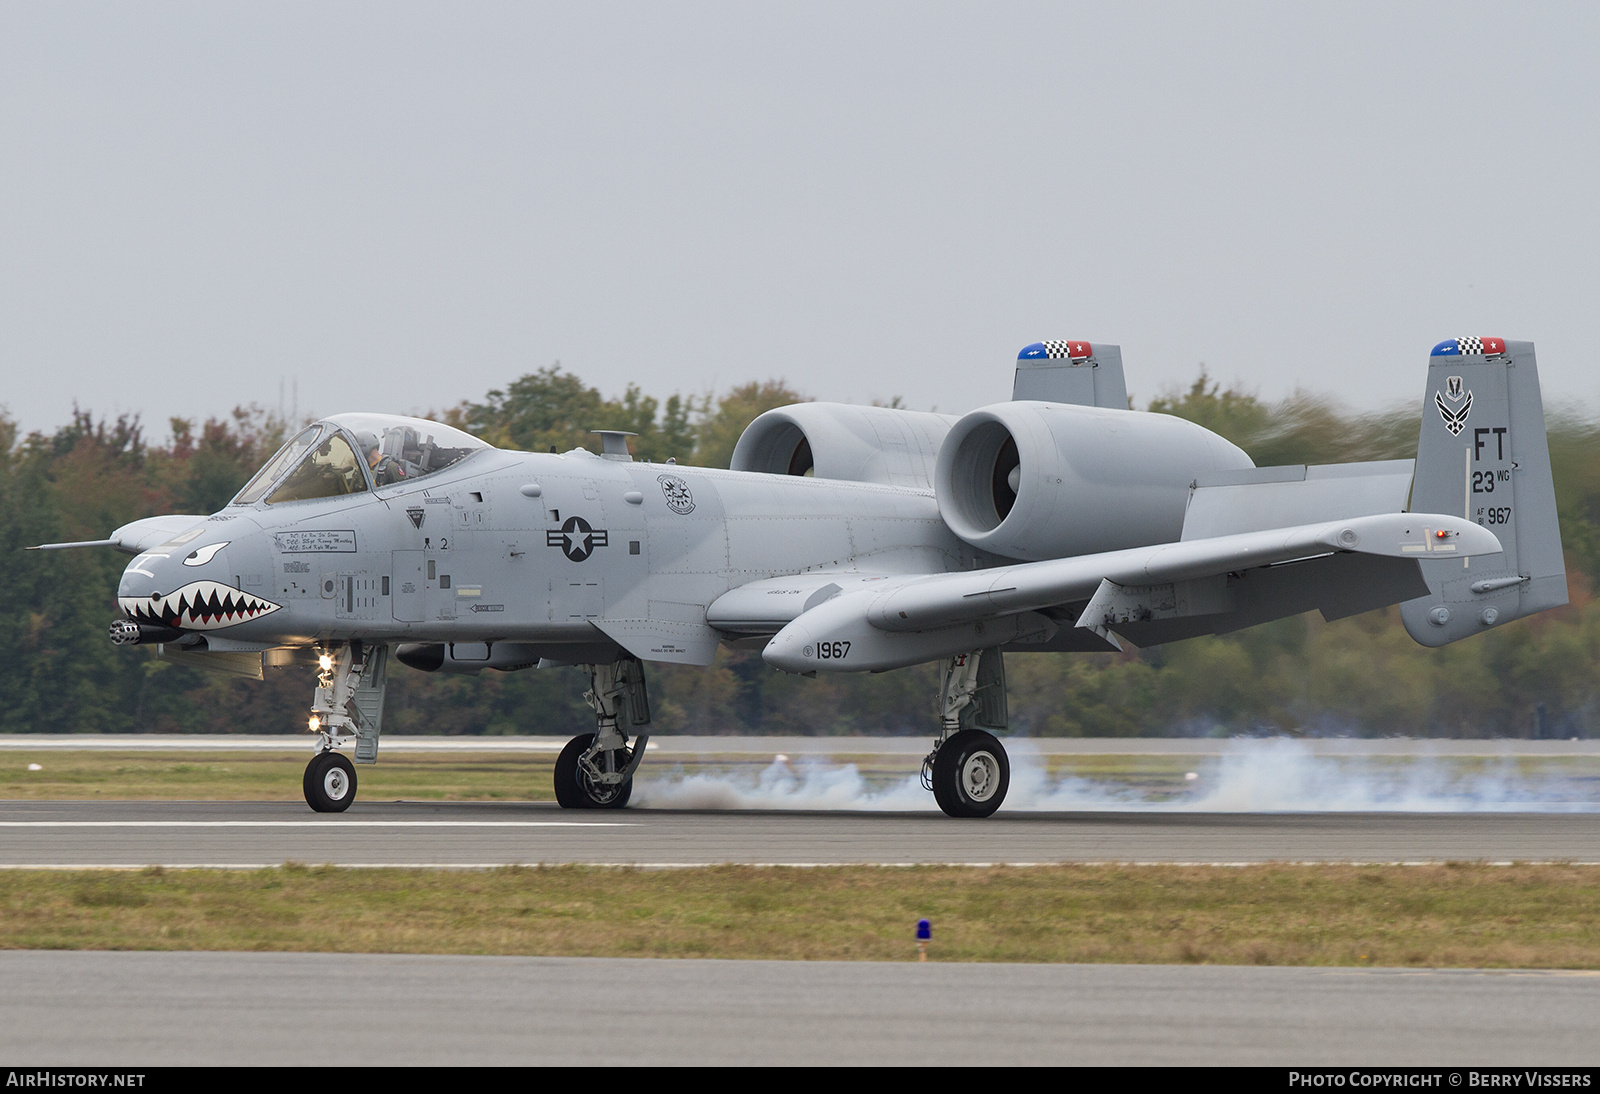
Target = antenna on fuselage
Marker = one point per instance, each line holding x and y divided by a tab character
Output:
614	444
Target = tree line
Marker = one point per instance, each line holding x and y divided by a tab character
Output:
1356	676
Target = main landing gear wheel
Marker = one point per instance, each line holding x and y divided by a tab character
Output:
576	788
330	782
971	774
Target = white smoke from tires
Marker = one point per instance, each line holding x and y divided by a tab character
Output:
1250	776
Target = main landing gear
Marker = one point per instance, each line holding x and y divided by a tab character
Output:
348	707
595	770
968	770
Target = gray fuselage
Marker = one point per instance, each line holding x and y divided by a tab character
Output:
467	555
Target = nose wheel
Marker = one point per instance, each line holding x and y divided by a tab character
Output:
330	782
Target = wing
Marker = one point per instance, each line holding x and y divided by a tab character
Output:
1190	586
949	598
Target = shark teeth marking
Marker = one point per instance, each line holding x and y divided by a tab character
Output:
198	606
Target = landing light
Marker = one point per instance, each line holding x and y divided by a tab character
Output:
313	723
325	662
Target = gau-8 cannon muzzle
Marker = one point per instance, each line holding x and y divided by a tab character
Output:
125	632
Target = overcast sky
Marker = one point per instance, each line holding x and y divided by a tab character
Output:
401	206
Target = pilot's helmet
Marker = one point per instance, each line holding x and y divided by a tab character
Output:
367	441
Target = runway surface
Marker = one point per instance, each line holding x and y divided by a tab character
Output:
685	746
131	1009
467	834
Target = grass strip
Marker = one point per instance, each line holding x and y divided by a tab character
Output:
1450	915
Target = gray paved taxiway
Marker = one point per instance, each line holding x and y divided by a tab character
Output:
132	1009
490	834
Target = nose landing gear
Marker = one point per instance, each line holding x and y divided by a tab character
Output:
348	707
595	770
330	782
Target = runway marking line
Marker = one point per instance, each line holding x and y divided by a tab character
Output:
133	866
318	824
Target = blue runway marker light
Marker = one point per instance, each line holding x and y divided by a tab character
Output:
924	933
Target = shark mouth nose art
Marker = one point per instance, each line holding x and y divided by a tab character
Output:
198	606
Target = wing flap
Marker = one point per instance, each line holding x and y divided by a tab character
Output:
1255	499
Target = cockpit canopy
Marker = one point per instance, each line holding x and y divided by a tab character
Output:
350	453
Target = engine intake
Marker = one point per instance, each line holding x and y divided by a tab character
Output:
1032	480
841	441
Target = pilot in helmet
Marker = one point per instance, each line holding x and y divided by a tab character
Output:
385	469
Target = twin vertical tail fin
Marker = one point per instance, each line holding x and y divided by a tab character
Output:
1483	455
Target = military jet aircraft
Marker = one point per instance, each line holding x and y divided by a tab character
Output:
842	539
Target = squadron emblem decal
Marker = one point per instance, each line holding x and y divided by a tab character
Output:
577	539
676	491
1455	418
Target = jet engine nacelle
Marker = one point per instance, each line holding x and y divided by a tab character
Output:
839	441
1032	480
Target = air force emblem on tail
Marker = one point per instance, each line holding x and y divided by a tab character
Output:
1454	405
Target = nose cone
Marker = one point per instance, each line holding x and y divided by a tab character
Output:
188	586
149	574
